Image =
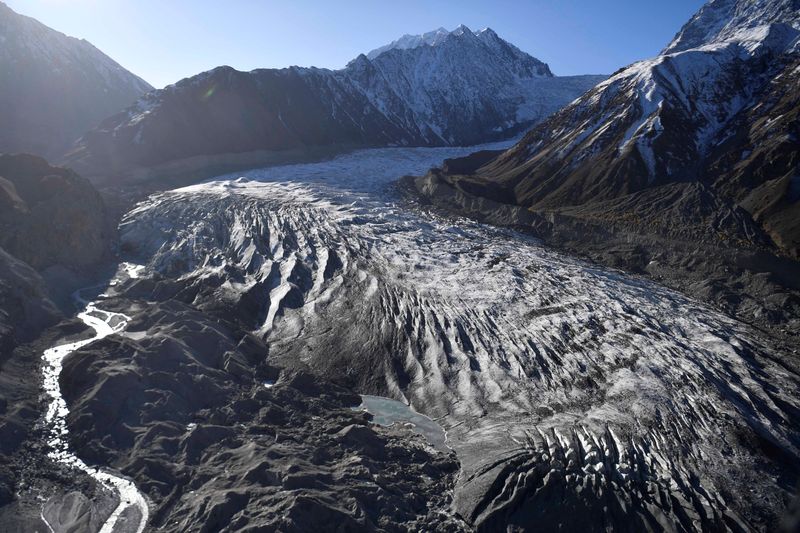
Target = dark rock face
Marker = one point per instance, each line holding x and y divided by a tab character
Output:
471	87
225	111
183	410
24	305
55	87
51	215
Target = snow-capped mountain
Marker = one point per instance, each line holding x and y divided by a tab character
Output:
459	86
407	41
718	107
723	20
54	87
442	88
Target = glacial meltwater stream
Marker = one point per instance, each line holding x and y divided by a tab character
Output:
131	512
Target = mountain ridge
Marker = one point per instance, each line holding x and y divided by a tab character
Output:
631	119
465	90
55	86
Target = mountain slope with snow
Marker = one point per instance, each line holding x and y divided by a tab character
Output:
54	87
685	166
670	120
460	88
444	88
722	20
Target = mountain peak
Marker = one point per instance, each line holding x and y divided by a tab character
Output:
41	64
475	50
431	38
721	20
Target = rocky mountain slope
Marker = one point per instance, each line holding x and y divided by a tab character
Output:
50	215
54	232
54	87
463	88
54	227
25	308
696	147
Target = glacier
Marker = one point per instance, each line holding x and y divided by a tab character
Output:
548	373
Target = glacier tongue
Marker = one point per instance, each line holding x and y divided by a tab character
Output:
545	371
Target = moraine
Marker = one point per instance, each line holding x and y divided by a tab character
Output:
545	371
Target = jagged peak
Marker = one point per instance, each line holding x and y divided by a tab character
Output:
722	20
431	38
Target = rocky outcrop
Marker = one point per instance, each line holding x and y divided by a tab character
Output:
51	216
54	87
25	308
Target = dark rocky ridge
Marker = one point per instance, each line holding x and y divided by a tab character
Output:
25	308
54	233
51	215
55	87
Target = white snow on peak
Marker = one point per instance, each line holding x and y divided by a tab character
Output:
694	74
727	20
431	38
461	30
449	79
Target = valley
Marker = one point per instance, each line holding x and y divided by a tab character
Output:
434	286
557	381
131	510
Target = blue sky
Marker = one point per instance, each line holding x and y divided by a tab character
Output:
166	40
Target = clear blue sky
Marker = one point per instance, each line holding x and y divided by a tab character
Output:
166	40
